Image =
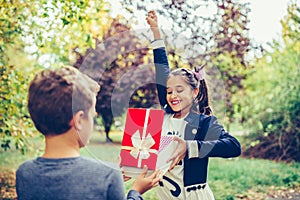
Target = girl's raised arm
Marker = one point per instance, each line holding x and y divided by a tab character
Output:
160	58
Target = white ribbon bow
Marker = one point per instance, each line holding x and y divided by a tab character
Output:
141	147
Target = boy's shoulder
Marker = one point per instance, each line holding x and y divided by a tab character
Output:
86	163
97	163
26	164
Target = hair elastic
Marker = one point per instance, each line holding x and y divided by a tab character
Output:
199	72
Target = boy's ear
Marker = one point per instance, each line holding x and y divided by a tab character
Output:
76	121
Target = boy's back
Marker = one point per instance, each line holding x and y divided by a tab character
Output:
61	103
68	178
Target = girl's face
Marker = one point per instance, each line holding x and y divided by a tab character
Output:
180	96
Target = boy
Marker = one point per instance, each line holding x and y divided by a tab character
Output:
61	104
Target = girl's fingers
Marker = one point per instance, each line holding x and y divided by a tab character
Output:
152	15
149	20
178	139
151	12
172	158
174	163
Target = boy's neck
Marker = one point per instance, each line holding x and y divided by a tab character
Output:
61	146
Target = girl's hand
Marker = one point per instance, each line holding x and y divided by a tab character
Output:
142	183
152	21
179	153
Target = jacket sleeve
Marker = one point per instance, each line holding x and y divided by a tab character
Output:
162	70
216	143
134	195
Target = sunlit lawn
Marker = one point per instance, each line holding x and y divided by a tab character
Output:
227	177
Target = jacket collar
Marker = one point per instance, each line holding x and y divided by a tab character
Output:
194	118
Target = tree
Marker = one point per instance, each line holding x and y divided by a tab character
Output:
272	106
120	67
211	32
35	35
229	53
14	118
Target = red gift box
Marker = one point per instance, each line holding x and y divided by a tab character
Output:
141	138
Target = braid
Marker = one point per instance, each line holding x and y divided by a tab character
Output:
202	99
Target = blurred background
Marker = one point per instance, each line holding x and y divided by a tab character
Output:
251	50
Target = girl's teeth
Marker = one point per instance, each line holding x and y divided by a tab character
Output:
175	102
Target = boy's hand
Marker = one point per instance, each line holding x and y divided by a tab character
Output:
179	153
125	178
142	183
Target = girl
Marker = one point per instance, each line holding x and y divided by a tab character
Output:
183	94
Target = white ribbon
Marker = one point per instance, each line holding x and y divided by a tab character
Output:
141	146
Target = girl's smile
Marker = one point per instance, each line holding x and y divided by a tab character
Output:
175	102
180	96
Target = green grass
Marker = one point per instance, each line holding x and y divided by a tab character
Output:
227	177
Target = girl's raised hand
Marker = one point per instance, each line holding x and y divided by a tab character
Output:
152	19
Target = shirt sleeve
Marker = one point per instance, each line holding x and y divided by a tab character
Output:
162	69
157	44
116	188
217	143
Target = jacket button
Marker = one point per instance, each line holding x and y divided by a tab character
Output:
194	131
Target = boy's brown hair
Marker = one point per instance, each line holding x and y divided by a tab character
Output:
55	95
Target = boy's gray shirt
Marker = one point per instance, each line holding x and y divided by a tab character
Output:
70	178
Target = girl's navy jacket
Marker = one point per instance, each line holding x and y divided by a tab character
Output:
211	138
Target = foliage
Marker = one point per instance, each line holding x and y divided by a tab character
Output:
291	23
272	106
232	72
35	35
14	119
229	52
121	66
211	32
11	26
